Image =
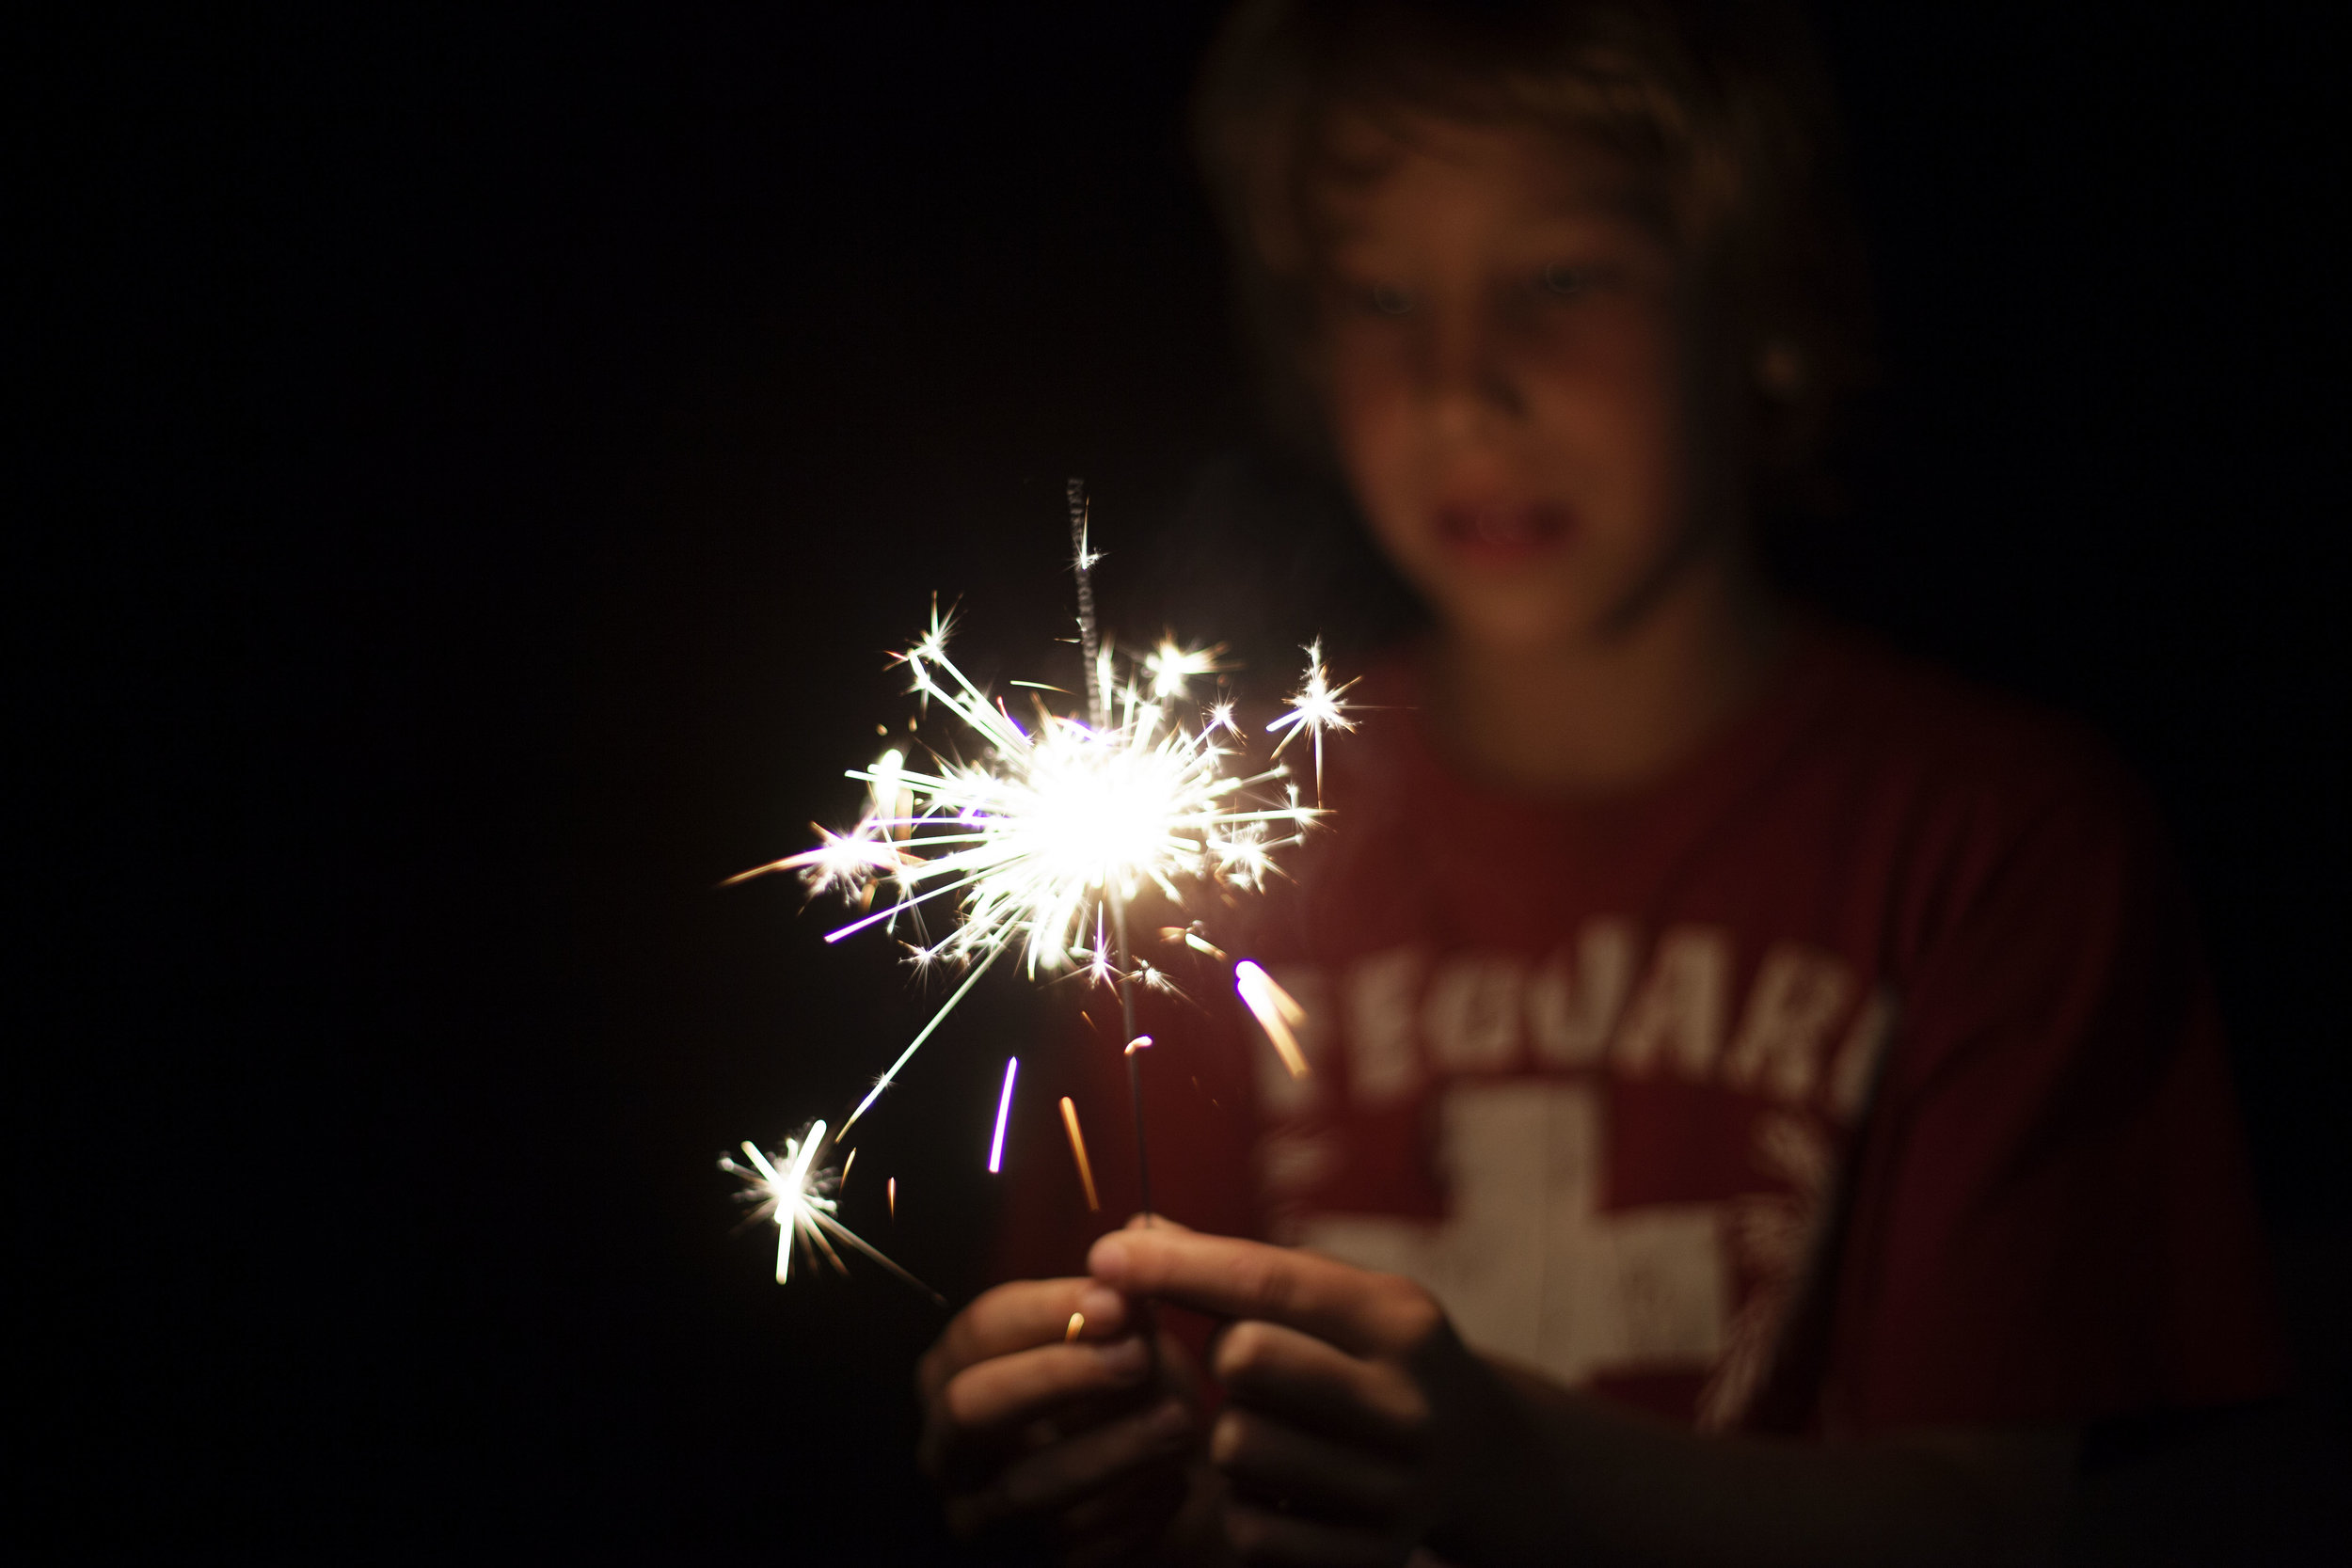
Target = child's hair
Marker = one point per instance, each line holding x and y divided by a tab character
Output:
1722	109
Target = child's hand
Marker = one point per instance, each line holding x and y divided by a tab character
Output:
1356	1418
1023	1428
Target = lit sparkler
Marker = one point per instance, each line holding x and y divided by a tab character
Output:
1046	830
1043	831
794	1192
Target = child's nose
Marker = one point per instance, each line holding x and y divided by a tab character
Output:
1466	376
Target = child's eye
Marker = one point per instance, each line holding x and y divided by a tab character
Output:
1388	299
1564	281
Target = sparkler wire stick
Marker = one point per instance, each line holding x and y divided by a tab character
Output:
1134	1057
1098	703
1098	700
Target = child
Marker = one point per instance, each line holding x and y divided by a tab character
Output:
1713	1017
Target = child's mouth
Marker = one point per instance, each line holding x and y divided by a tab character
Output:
1496	533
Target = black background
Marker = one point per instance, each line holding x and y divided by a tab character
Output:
492	456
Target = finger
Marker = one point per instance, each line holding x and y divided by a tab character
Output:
1054	1477
1312	1383
1128	1541
1008	1390
1332	1479
1060	1475
1136	1505
1283	1541
1357	1310
1016	1317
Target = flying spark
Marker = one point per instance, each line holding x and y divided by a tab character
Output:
1317	707
1277	1012
793	1193
1004	1109
1078	1152
1191	938
1173	668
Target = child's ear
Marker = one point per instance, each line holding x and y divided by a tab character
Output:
1780	369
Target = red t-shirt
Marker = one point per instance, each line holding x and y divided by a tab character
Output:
1865	1074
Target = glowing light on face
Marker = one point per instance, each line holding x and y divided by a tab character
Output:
795	1194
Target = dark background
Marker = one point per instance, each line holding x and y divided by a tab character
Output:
491	457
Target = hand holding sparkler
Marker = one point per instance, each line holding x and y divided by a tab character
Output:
1355	1418
1025	1421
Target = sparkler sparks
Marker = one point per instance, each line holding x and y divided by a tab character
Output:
1078	1152
1004	1109
1172	669
1035	834
1276	1011
1316	708
1191	936
796	1194
1047	826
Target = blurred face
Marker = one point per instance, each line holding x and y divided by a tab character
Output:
1508	355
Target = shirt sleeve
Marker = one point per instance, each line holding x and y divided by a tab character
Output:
2052	1218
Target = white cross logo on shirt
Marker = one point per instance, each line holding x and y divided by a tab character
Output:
1530	1266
